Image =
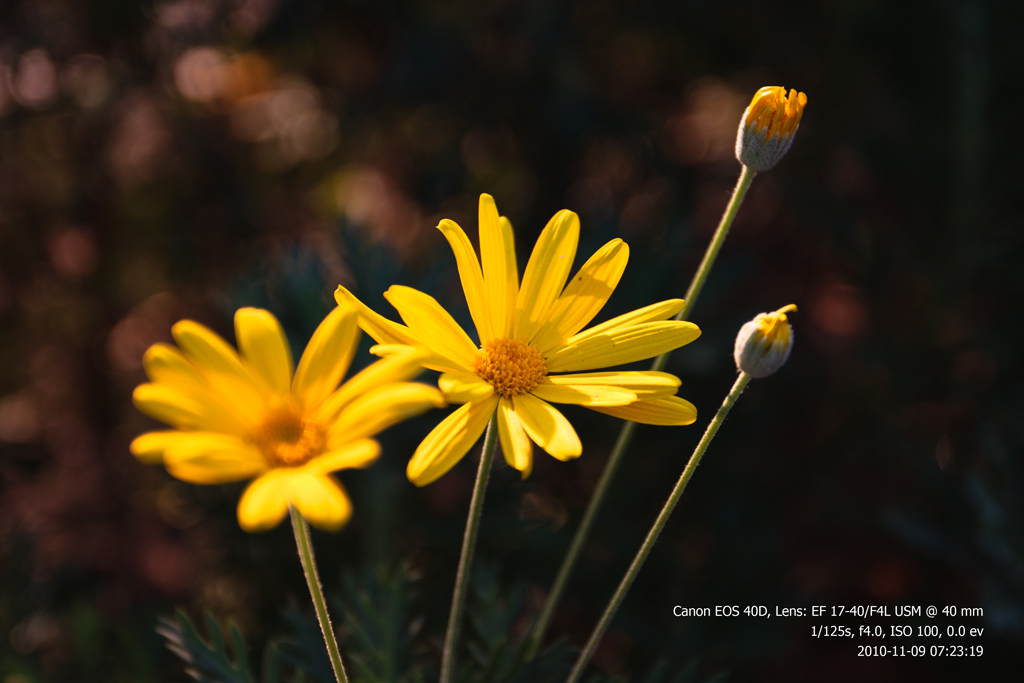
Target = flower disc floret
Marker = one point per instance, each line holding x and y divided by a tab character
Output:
511	366
288	439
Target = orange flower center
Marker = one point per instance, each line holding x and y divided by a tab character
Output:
289	439
511	366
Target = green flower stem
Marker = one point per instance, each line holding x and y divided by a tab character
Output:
659	524
301	529
628	428
697	284
476	506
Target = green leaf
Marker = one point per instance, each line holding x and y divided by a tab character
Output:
374	607
206	662
305	649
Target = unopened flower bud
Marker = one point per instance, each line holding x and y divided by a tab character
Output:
768	126
764	343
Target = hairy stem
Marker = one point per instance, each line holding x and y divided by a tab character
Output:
301	529
659	524
476	506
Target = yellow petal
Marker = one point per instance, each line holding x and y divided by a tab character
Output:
380	408
645	383
262	342
463	387
265	502
667	411
377	326
511	272
320	498
584	394
448	442
469	273
429	360
515	444
185	411
663	310
219	362
432	325
167	365
547	427
150	447
389	333
355	455
327	357
585	295
546	272
501	279
209	458
622	345
401	365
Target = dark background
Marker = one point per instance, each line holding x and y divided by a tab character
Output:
161	160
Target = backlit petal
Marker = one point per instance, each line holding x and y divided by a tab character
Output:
515	444
469	273
663	310
511	272
645	383
327	357
320	499
262	343
150	447
449	441
377	326
167	365
265	502
355	455
403	364
208	458
219	362
622	345
433	326
463	387
546	272
585	295
667	411
185	411
380	408
547	427
498	254
584	394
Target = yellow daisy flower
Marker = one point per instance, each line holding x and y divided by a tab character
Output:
241	416
528	331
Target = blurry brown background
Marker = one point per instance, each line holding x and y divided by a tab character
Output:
182	158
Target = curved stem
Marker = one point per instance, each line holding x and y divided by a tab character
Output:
301	529
659	524
476	505
628	428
